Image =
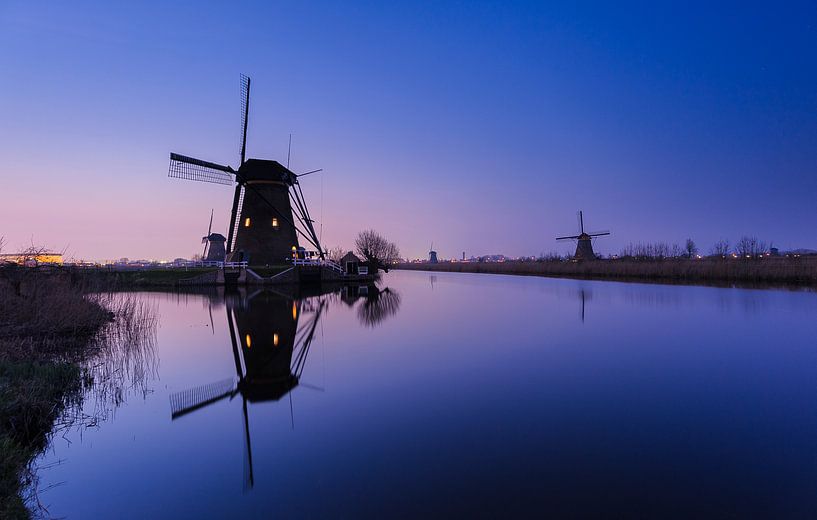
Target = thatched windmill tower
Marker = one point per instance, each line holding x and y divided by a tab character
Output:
584	241
264	226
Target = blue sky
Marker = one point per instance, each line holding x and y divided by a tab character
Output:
481	126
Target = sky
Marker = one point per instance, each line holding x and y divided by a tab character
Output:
481	126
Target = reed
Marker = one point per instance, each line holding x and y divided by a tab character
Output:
772	270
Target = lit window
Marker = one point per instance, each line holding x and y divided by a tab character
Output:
247	222
248	341
274	222
275	339
294	311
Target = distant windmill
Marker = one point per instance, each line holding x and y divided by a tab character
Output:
584	241
213	244
432	255
264	224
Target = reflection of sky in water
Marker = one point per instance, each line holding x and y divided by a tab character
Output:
480	395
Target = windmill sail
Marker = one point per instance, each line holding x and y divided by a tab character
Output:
245	116
190	400
188	168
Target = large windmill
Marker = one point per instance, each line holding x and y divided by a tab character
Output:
432	254
269	212
269	353
584	241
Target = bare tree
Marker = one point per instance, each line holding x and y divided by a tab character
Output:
691	248
750	247
376	250
721	248
336	253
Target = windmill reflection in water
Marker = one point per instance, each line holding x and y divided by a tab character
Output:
269	350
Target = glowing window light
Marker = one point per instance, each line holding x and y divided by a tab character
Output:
247	222
248	341
275	339
294	311
274	222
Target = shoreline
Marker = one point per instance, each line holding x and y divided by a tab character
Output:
782	273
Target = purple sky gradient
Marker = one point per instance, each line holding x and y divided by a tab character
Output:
482	127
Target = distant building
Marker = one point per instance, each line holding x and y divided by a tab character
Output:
350	263
32	260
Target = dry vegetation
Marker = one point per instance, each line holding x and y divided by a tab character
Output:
775	270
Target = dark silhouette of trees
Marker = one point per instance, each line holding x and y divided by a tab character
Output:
691	248
721	248
378	252
750	247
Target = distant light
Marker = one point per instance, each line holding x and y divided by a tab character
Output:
248	341
274	222
294	311
275	339
247	222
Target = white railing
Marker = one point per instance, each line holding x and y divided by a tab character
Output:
317	262
219	265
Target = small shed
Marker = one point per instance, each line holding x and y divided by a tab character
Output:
350	263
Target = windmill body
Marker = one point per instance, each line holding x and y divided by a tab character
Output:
269	214
216	251
265	232
432	255
584	241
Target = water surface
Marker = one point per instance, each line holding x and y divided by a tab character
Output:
460	395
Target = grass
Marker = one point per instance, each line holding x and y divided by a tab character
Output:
145	277
32	396
772	270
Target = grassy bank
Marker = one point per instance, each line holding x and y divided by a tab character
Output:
50	332
768	270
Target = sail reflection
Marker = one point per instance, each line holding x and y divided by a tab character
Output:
271	334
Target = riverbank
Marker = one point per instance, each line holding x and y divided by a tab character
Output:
800	271
50	330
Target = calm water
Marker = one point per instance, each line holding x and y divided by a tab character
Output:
459	395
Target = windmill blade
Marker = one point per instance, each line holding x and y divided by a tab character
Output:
235	212
206	239
245	114
188	168
184	402
248	476
568	238
581	221
599	233
309	172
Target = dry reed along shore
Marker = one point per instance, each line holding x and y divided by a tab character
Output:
763	270
51	326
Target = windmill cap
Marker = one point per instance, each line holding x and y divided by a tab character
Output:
264	170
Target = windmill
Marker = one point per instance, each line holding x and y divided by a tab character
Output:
268	213
213	244
584	241
432	255
269	352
